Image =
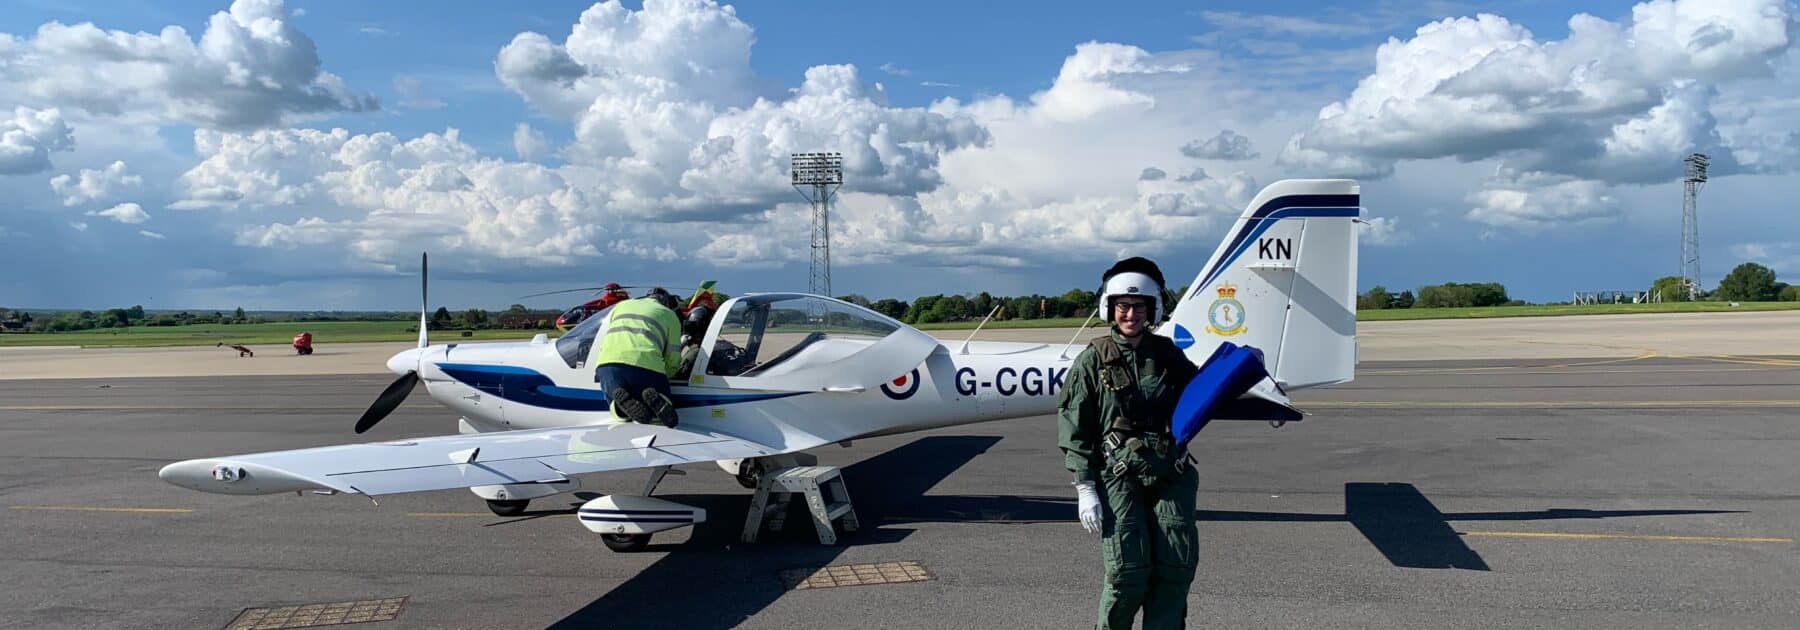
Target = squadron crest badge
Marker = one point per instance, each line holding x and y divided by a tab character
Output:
1226	315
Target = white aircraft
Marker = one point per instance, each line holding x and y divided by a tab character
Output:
781	373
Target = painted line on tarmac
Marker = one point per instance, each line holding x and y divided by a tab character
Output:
1651	537
1547	404
95	508
1642	355
1765	361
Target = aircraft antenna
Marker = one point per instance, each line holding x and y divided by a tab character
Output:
1084	324
1693	179
817	177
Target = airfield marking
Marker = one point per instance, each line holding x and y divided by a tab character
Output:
838	575
1726	358
1651	537
1549	404
1709	370
1643	354
322	614
91	508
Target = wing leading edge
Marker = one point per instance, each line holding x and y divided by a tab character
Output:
459	461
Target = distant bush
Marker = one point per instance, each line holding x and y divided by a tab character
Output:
1462	295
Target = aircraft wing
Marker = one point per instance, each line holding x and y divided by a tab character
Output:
459	461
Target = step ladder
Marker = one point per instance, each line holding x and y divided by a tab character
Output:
826	499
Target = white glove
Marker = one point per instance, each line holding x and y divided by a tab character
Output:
1087	506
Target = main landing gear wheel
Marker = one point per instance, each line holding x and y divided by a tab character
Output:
625	543
511	507
750	473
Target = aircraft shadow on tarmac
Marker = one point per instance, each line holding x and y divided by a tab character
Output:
714	581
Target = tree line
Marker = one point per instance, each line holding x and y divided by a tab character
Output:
1748	282
66	321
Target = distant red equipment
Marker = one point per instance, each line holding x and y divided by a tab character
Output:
612	294
303	343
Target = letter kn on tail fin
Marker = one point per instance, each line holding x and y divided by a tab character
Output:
1283	281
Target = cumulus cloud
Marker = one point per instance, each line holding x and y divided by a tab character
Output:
1228	145
667	114
1085	86
249	68
157	236
78	225
381	197
127	213
1197	194
529	144
1613	101
94	185
1152	174
29	136
1381	232
1536	201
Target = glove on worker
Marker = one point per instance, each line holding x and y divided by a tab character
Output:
1087	506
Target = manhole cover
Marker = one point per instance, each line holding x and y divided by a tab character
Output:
834	576
315	615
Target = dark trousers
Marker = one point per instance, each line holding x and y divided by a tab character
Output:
634	379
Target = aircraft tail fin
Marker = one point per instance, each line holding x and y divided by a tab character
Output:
1283	281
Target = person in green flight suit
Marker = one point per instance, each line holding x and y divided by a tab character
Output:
642	347
1132	488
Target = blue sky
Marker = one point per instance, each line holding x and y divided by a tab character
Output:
1002	147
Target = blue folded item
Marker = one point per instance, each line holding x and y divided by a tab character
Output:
1226	375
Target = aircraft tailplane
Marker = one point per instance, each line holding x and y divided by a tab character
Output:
1283	281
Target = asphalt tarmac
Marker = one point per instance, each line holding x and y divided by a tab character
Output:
1612	492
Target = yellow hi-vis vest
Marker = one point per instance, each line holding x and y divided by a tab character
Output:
643	333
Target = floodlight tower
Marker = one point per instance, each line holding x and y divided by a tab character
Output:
818	176
1693	178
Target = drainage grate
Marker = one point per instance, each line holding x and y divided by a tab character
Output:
315	615
805	578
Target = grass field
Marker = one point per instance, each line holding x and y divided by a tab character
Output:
282	333
1551	310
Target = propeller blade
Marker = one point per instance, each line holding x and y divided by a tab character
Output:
560	292
389	400
422	302
598	289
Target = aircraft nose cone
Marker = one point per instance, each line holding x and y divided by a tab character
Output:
404	362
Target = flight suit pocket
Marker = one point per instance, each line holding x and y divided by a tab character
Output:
1175	522
1127	545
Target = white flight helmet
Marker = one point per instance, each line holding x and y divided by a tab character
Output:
1135	277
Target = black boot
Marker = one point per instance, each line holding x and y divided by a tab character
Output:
628	407
661	407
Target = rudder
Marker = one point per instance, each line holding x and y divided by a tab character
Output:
1283	281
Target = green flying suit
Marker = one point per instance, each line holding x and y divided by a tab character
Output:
1150	541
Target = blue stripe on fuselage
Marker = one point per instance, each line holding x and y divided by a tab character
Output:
530	387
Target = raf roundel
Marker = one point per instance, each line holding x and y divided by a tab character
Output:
903	386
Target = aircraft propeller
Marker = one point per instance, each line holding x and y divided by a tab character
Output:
397	391
598	289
